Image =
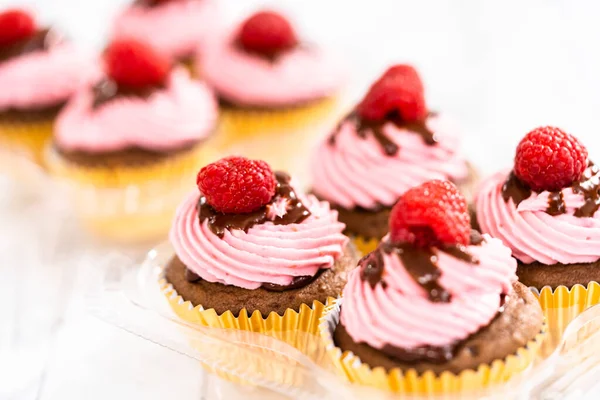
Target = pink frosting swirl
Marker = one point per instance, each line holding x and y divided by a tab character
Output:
297	76
400	314
45	78
267	253
532	233
185	111
175	29
355	171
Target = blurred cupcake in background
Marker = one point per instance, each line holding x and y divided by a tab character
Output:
389	143
273	86
39	71
178	29
129	143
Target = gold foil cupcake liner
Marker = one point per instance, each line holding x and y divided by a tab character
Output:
239	124
562	305
26	139
353	370
364	245
172	167
129	204
295	328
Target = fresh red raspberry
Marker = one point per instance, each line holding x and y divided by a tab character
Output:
399	91
136	65
549	159
15	25
268	33
237	185
432	214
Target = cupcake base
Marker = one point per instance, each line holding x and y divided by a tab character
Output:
129	196
25	133
223	298
538	275
520	322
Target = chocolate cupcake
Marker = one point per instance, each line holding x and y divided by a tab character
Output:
389	143
262	252
545	210
127	144
434	302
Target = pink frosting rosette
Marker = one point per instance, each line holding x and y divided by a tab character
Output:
46	77
182	112
175	28
353	169
530	226
397	309
266	252
295	76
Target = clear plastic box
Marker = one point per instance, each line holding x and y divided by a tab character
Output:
127	294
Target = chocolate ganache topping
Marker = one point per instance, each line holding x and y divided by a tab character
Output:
151	3
419	263
296	213
42	40
588	186
375	128
108	90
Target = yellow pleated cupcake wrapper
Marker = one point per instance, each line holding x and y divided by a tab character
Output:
181	165
562	305
351	368
364	245
27	138
295	328
239	124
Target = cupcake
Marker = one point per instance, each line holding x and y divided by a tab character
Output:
273	87
176	28
436	307
253	253
545	210
389	143
39	71
129	143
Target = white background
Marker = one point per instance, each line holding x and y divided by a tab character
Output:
499	67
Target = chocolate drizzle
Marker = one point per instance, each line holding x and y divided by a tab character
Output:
371	268
42	40
218	222
375	128
107	90
556	203
588	186
419	263
515	189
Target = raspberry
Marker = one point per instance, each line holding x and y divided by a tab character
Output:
549	159
15	25
267	33
135	65
432	214
237	185
398	92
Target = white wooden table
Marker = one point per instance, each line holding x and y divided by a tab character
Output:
501	68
